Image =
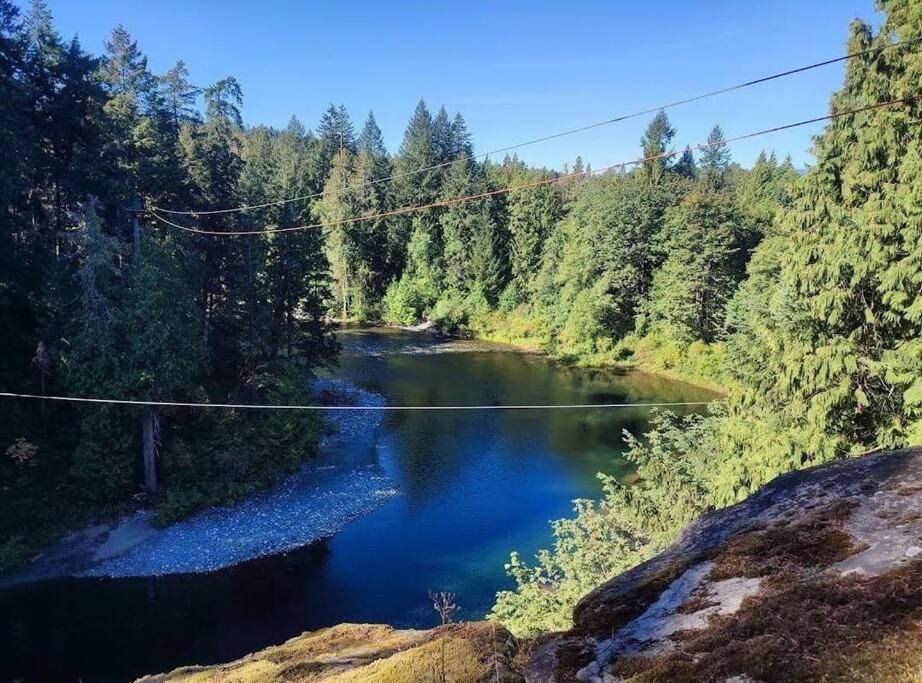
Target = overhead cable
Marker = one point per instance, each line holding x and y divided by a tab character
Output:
525	186
553	136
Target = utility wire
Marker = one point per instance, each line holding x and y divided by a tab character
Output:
252	406
516	188
554	136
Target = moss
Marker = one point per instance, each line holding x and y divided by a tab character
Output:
362	652
816	540
599	614
830	627
421	663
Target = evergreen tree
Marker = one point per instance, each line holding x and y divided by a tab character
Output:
655	141
460	224
370	141
415	187
487	272
715	160
354	247
179	96
223	101
461	145
443	144
124	67
686	164
335	133
532	216
181	317
598	266
836	295
691	290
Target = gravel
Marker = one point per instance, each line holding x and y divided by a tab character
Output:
342	484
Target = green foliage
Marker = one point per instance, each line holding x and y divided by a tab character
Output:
843	360
690	291
220	457
628	525
403	303
662	352
655	143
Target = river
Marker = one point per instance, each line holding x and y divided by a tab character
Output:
470	486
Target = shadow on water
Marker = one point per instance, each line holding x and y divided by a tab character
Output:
473	486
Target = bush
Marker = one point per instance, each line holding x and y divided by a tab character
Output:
660	351
403	303
450	313
223	456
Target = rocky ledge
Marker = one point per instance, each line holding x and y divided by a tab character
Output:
818	576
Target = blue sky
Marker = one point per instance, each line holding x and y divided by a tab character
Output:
515	70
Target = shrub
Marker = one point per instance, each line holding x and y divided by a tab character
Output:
403	303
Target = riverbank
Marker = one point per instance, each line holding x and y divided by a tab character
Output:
341	483
695	363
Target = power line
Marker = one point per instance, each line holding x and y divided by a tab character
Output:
253	406
554	136
516	188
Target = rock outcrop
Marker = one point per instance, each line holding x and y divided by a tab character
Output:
818	576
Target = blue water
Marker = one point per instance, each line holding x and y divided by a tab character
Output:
469	487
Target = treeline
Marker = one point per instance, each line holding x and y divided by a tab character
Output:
822	339
594	267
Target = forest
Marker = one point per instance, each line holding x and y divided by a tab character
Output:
797	293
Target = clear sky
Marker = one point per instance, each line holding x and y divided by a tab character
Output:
515	70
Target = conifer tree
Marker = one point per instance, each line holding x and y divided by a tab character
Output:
415	187
335	133
179	95
715	160
691	289
461	145
532	216
460	223
223	101
655	141
124	67
442	137
838	300
686	164
370	141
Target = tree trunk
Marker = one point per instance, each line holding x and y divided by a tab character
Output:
150	439
136	238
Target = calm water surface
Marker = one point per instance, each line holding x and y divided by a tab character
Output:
473	486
